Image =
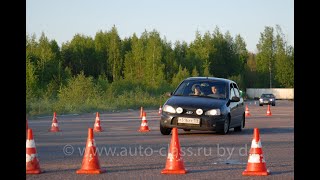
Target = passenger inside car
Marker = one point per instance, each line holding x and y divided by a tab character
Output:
217	92
196	89
214	89
214	92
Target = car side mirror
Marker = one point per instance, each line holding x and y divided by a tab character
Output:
168	94
235	99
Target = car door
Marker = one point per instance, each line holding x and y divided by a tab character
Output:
233	107
240	105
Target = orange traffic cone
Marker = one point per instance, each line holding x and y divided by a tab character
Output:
141	112
54	126
174	164
90	162
160	110
97	126
144	123
247	111
269	111
256	164
32	161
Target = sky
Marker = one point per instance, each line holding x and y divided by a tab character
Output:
175	20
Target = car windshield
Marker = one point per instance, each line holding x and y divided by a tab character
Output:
267	96
202	88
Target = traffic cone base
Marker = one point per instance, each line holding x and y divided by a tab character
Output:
255	173
90	162
144	130
168	171
97	130
34	171
93	171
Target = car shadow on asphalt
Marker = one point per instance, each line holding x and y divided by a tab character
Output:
244	131
265	131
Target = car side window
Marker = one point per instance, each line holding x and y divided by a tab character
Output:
231	91
236	90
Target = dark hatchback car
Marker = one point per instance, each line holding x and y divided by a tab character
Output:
267	99
207	111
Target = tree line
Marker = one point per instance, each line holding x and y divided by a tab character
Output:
106	72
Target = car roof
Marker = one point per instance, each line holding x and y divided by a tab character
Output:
211	78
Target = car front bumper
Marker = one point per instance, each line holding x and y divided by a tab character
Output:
266	102
207	123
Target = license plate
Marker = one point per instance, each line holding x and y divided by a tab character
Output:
265	101
188	120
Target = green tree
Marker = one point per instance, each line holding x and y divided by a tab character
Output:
45	58
31	80
223	62
169	61
241	51
125	48
198	54
180	57
251	76
114	56
134	60
101	51
181	75
153	55
284	64
80	55
79	91
265	57
194	72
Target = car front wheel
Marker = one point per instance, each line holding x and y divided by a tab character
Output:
226	125
165	131
239	128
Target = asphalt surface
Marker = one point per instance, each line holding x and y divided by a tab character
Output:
126	153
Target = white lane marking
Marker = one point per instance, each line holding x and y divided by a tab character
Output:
89	120
62	115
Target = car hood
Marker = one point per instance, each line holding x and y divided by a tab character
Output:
194	102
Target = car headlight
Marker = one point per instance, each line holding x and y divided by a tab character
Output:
213	112
261	100
271	99
199	111
179	110
169	109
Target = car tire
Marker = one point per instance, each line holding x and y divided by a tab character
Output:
226	126
187	130
239	128
165	131
260	104
273	104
